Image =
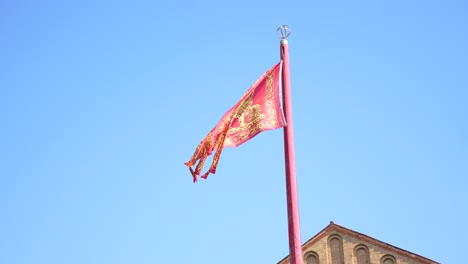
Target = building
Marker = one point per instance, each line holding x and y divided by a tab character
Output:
339	245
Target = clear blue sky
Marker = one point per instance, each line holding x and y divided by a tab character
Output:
103	101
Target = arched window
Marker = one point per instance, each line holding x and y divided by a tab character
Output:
388	259
311	258
362	254
336	249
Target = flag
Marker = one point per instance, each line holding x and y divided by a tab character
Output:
258	110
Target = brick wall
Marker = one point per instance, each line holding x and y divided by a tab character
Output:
351	240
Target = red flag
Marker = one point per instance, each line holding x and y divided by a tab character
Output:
258	110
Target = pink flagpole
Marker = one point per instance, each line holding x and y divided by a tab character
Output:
294	231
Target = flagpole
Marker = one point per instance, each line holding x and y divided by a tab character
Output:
294	231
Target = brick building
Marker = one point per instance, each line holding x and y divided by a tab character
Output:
339	245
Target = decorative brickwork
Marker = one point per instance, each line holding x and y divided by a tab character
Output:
311	257
339	245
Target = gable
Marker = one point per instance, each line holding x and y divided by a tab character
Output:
337	244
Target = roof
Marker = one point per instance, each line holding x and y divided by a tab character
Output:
365	238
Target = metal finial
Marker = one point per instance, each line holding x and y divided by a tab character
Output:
283	31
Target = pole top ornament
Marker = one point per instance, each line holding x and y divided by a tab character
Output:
284	31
